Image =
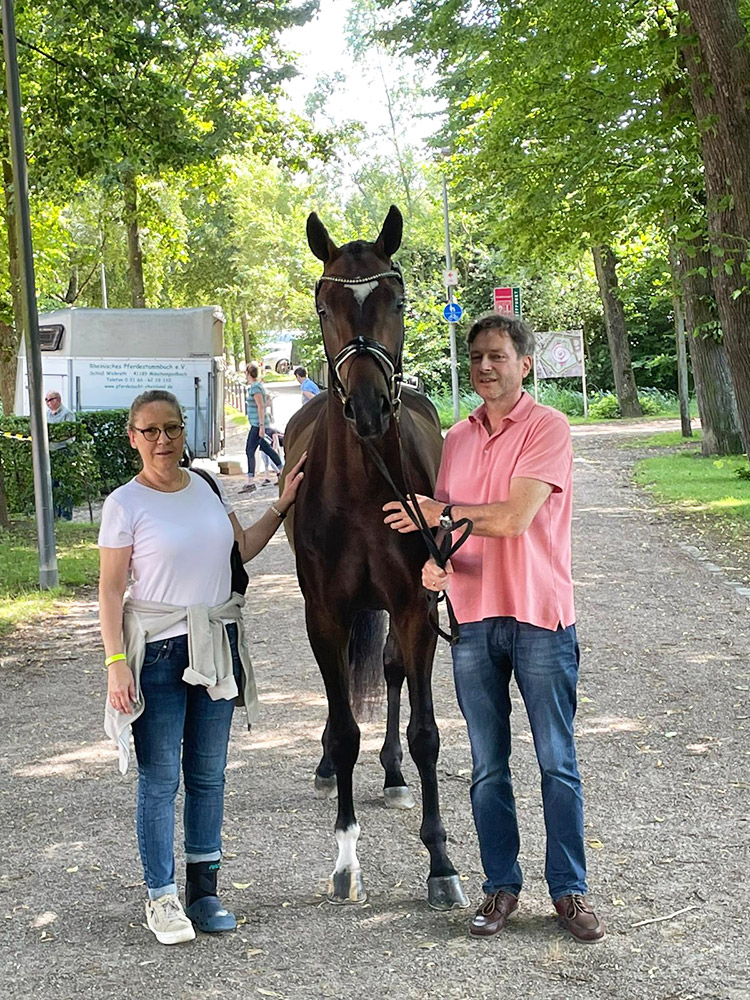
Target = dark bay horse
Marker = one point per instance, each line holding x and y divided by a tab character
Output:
351	566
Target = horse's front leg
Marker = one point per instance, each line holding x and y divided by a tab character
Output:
417	641
330	647
325	772
396	792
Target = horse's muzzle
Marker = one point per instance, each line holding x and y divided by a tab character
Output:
370	419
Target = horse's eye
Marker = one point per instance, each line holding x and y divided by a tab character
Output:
321	311
400	304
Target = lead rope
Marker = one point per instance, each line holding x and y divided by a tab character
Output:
440	553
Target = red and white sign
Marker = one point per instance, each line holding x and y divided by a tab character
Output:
507	300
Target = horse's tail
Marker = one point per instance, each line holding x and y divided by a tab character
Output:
366	644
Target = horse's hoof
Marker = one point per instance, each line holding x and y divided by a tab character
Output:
399	797
444	892
346	887
326	788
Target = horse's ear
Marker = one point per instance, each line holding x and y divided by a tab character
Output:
318	239
389	239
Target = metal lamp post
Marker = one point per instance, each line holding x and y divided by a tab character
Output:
39	445
449	289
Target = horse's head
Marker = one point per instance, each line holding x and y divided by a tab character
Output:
360	301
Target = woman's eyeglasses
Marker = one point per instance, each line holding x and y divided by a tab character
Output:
172	431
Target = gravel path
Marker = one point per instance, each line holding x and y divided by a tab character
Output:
662	736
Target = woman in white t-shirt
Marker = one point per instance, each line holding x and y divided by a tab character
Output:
175	654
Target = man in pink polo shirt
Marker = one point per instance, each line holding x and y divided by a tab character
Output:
508	468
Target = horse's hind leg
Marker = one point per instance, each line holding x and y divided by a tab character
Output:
325	772
345	884
444	890
396	792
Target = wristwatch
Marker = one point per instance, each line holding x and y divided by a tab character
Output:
446	519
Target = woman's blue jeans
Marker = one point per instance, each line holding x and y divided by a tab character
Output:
545	664
179	720
255	441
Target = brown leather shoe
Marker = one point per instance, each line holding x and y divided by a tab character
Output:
493	914
576	915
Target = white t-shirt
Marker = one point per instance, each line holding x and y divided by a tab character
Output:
181	543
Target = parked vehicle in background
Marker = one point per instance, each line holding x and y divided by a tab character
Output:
101	359
277	352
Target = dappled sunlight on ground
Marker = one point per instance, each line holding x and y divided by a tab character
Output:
608	725
71	763
294	698
276	585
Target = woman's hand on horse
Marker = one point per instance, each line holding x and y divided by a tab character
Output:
291	485
121	687
435	578
400	520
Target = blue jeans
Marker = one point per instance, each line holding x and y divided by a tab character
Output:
255	441
179	717
545	664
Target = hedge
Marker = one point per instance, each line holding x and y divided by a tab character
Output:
97	460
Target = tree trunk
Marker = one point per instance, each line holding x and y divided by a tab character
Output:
718	62
10	336
245	337
605	263
135	254
720	423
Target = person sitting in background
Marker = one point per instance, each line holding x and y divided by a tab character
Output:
308	387
58	413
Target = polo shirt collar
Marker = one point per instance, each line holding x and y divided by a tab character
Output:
521	411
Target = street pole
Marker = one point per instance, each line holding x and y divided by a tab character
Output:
39	445
451	326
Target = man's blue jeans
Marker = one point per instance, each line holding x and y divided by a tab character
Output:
179	717
545	664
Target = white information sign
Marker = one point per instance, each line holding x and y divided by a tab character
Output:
559	354
450	278
119	380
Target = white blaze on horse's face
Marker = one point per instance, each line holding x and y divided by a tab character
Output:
362	290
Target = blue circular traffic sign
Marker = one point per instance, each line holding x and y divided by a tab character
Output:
453	312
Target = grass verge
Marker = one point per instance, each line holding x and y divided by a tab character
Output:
706	489
77	563
664	439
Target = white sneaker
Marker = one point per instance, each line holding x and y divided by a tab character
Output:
166	918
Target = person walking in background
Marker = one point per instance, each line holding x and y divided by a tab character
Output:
508	468
309	389
176	655
259	418
58	413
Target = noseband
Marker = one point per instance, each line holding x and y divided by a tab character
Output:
390	366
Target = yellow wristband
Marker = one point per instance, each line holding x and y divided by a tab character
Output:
113	659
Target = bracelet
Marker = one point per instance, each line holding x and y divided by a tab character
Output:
114	658
280	514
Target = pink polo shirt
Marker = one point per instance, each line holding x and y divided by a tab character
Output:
527	578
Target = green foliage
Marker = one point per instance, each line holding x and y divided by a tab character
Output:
606	407
98	459
74	468
117	462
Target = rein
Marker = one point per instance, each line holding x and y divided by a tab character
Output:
441	552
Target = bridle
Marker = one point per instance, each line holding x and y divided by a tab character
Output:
389	365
